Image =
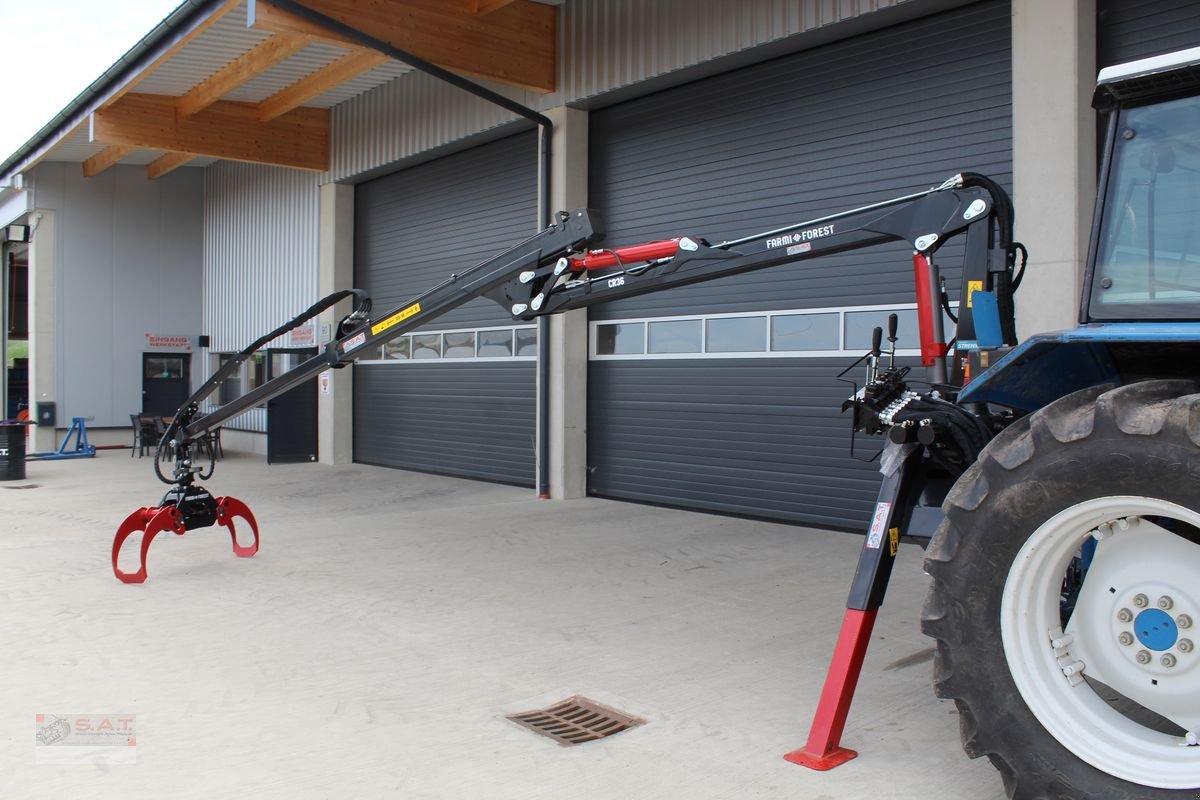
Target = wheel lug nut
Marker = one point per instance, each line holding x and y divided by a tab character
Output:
1168	660
1183	621
1125	615
1165	602
1126	638
1142	657
1185	645
1140	600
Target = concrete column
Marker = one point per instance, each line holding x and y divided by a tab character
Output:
335	265
1054	155
43	339
568	331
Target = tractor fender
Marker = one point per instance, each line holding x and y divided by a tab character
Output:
1048	366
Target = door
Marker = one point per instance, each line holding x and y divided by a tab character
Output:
457	396
291	417
723	396
166	382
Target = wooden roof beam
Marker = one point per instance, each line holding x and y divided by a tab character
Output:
516	43
354	63
164	164
299	138
241	70
112	155
105	159
212	19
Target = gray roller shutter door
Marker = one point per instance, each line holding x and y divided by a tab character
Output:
472	420
1131	29
827	129
413	229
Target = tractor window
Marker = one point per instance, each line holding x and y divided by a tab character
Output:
1148	253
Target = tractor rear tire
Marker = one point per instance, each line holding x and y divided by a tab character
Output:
1126	458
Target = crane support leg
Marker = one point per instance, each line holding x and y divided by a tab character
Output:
823	750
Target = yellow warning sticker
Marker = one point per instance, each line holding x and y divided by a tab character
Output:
972	288
893	540
395	319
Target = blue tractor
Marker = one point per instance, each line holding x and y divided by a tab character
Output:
1066	574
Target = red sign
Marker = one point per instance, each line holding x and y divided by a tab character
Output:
161	343
304	336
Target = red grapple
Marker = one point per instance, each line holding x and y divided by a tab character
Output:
197	510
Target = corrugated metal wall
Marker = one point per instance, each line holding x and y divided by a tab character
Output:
260	257
605	45
825	130
260	250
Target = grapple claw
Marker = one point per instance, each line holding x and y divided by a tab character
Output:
184	508
151	521
230	508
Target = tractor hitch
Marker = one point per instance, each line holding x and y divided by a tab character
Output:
183	508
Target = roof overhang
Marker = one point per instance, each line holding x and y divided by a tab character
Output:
246	80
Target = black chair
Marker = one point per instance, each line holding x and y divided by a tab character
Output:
144	435
160	428
214	443
210	443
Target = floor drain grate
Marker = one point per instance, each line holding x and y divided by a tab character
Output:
576	720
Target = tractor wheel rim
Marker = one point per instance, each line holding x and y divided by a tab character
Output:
1050	678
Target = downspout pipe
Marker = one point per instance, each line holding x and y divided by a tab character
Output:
545	133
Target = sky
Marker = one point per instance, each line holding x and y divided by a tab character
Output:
53	49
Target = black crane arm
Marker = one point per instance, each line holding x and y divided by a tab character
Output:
357	332
925	220
552	271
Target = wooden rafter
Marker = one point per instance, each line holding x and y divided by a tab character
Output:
241	70
164	164
212	19
108	157
515	43
105	159
354	63
299	138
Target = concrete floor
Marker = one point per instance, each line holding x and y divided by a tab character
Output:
392	619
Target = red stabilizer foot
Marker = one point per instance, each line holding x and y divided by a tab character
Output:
823	750
151	521
835	758
228	509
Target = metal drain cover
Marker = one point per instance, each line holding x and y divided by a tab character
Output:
576	720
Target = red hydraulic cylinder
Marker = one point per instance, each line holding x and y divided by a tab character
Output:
633	254
931	348
823	750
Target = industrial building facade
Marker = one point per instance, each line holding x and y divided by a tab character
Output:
712	119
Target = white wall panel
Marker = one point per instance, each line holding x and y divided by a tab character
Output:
129	263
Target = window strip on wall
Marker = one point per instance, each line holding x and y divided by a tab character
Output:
792	333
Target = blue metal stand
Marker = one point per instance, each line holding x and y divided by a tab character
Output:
82	448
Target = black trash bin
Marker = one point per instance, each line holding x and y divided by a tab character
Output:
12	451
